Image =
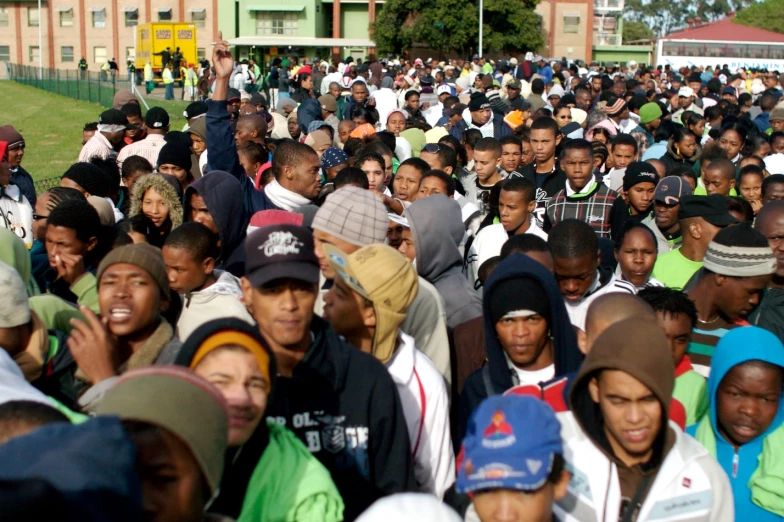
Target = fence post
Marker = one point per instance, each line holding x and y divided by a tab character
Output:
89	89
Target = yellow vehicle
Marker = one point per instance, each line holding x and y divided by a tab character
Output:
152	40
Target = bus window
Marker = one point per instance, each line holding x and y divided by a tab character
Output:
671	49
776	52
757	51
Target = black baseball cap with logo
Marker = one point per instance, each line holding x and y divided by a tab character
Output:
280	252
712	209
156	118
114	117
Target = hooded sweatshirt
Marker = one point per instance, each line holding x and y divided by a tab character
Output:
761	455
272	476
680	479
497	376
344	406
223	196
437	227
221	299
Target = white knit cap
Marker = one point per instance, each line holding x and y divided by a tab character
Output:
14	308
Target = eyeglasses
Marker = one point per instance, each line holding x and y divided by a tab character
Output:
431	148
36	217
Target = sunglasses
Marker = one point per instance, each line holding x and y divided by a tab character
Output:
36	217
431	148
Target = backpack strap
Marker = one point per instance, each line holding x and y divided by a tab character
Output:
423	410
489	390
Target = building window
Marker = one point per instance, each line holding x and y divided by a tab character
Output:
571	23
201	54
66	54
34	53
130	54
99	17
99	55
5	53
198	17
269	23
164	15
3	17
66	17
32	16
131	17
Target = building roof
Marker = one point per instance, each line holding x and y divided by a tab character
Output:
279	41
725	30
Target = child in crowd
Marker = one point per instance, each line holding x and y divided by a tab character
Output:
750	185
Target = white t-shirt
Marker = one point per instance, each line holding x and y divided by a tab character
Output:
536	376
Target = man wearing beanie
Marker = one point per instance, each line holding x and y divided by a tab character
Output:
700	218
175	159
627	460
617	111
739	264
490	124
373	288
15	152
156	122
650	118
16	213
133	292
177	421
639	185
87	179
353	423
531	345
352	218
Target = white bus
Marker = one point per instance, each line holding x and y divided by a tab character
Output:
686	53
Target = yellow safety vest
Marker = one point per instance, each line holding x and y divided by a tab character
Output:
148	77
190	78
167	77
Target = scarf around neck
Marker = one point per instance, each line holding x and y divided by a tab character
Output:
283	198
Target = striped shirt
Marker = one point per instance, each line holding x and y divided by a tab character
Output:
148	148
593	208
99	146
606	282
704	338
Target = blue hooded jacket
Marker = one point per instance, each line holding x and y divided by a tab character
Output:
736	347
566	356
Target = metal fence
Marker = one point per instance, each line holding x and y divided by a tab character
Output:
95	87
42	185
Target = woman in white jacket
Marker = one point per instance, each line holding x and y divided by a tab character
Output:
628	462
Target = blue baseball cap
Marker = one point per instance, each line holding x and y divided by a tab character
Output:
333	157
511	443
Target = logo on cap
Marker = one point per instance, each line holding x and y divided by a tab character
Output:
499	433
281	244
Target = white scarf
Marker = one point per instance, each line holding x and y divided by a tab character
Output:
488	129
283	198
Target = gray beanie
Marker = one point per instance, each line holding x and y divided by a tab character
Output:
354	215
14	307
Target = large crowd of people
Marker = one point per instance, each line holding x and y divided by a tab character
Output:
491	291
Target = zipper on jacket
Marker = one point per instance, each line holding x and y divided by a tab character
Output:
735	463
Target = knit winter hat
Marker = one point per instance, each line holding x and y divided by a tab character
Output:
175	154
354	215
12	136
383	276
740	251
614	107
145	256
639	172
478	102
180	402
520	297
89	177
14	307
649	112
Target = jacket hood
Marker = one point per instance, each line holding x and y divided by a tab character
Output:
567	357
678	157
437	226
634	346
199	128
240	463
162	187
16	255
308	111
738	346
223	195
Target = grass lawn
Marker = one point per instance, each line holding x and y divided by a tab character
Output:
52	125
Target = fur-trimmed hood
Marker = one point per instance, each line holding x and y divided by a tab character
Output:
163	187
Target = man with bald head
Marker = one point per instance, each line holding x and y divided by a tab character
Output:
661	169
607	310
770	312
251	127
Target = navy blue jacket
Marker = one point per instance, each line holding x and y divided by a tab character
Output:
223	156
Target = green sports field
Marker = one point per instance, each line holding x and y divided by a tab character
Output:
52	125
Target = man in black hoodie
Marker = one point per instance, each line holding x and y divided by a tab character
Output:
215	201
340	402
531	346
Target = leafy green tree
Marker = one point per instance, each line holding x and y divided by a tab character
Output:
454	25
763	15
633	31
